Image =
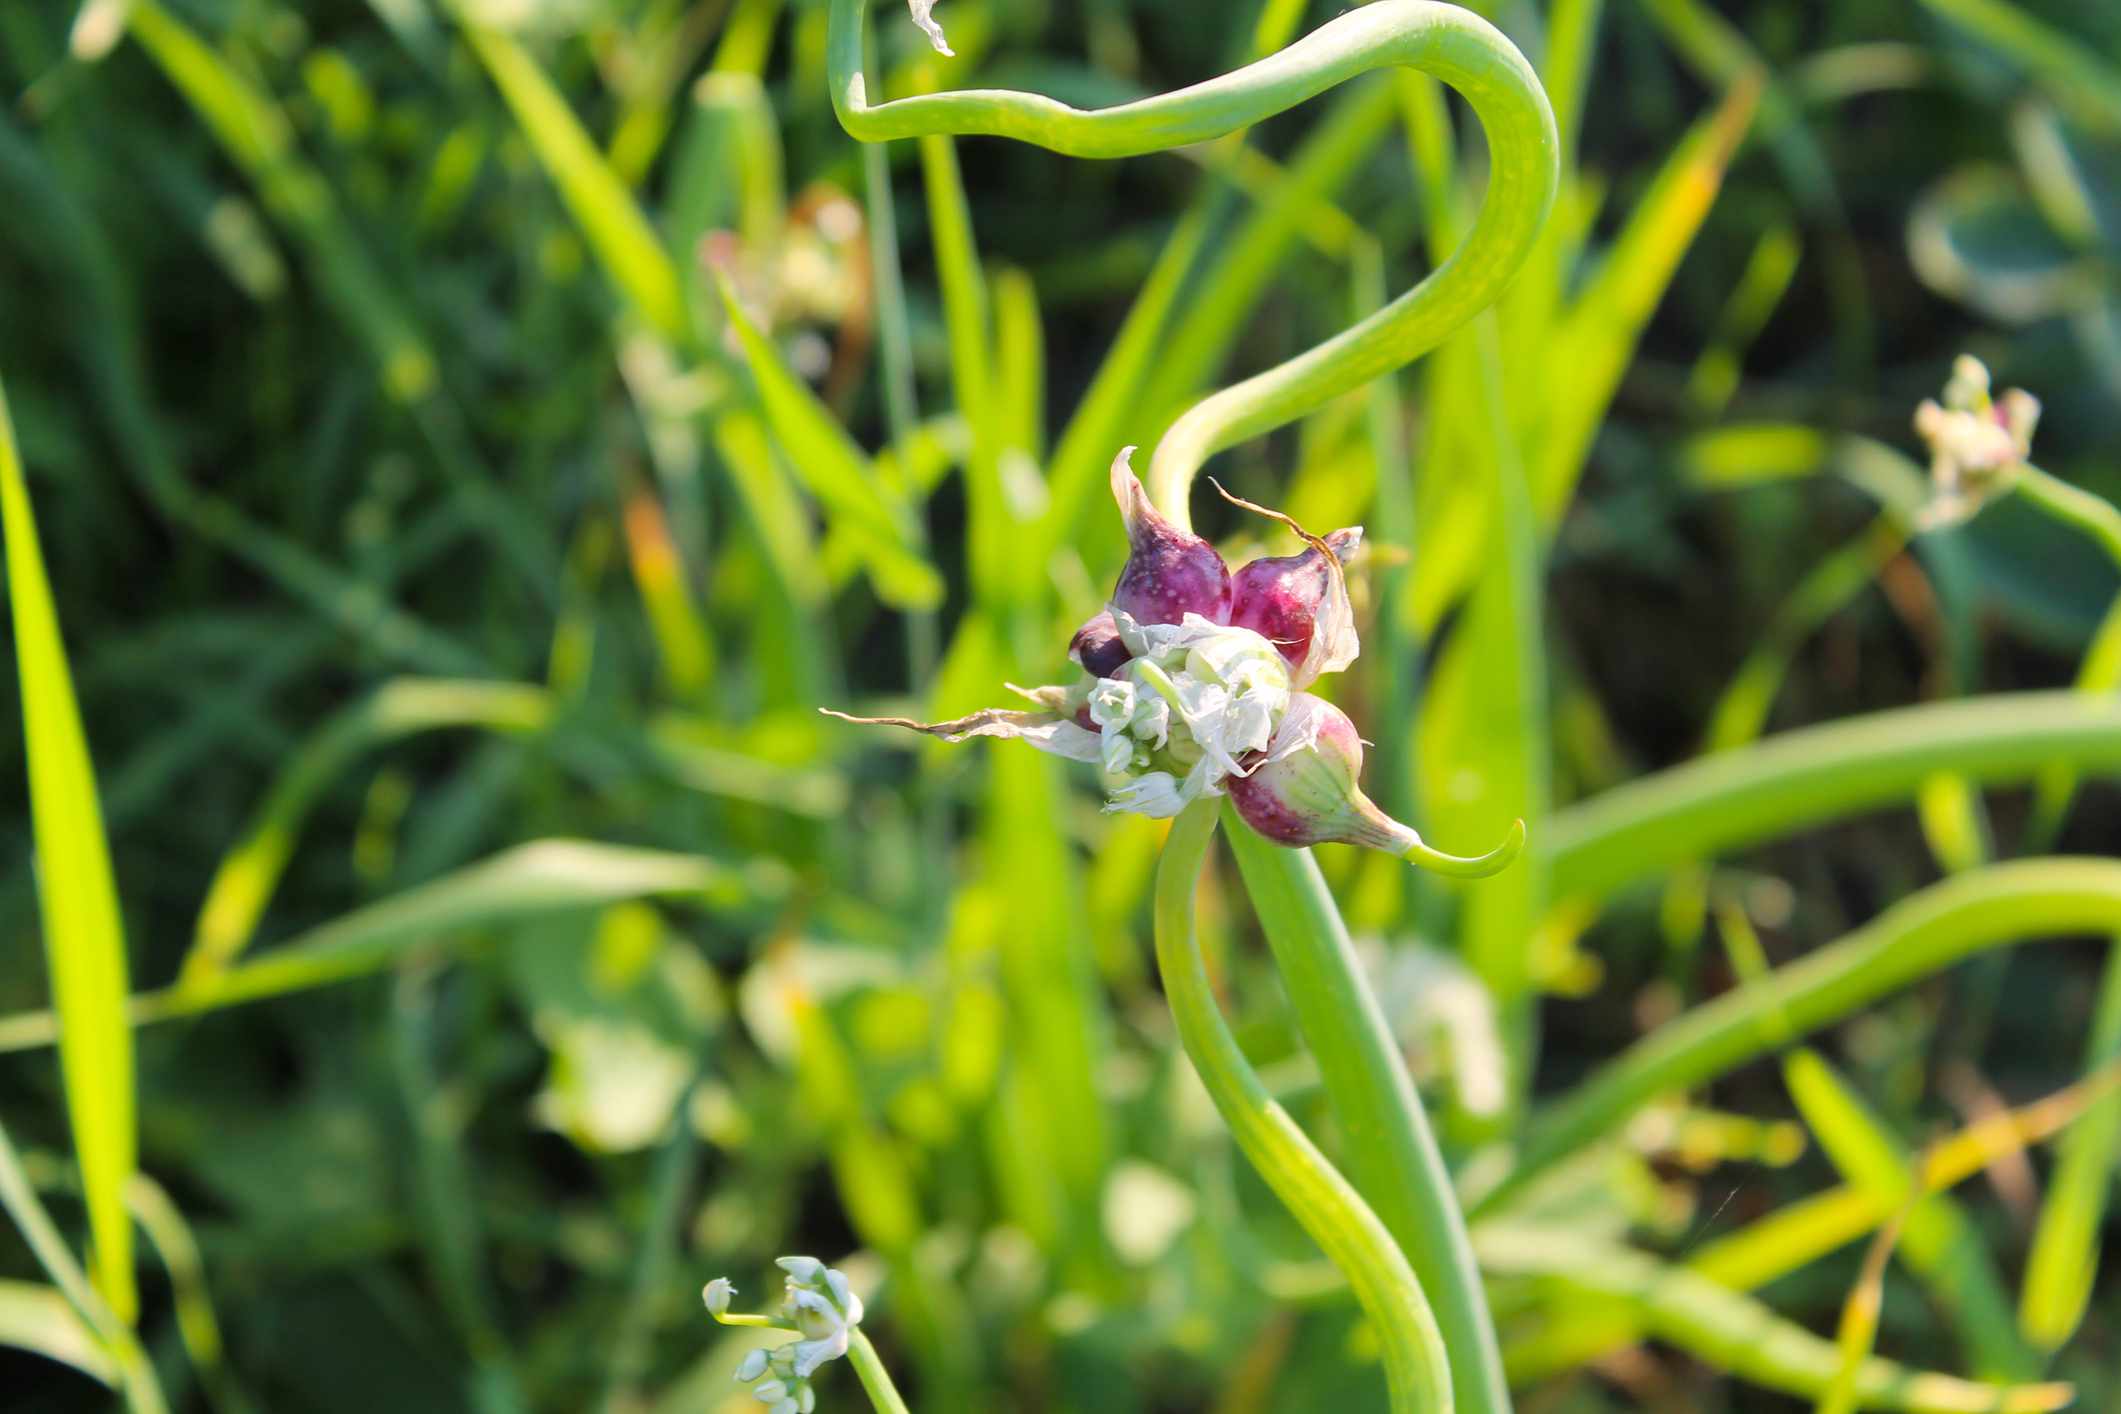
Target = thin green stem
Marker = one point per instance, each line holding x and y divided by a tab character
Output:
876	1380
136	1374
2100	670
1417	1369
1964	915
1794	780
2074	506
1391	1152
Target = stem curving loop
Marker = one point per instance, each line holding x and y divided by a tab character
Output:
1440	40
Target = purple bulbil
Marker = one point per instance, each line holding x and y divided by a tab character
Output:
1278	597
1170	572
1309	796
1096	647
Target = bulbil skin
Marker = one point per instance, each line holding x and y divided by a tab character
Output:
1096	647
1311	797
1278	596
1169	572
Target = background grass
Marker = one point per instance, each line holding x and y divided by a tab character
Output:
466	447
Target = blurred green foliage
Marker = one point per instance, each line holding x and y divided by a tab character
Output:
467	446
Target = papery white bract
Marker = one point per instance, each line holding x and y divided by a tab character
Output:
924	17
1048	731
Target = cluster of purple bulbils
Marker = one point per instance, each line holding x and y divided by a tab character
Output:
1193	687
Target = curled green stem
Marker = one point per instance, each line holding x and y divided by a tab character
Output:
1417	1370
1444	41
1469	866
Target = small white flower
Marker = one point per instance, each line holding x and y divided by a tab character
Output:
824	1330
1976	442
1113	702
717	1294
752	1366
1121	750
1153	793
1151	723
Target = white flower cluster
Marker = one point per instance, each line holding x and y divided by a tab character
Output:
1179	717
823	1309
1975	441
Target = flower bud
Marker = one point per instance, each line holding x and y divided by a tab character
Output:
1169	572
1977	442
1280	597
717	1294
1096	647
1303	792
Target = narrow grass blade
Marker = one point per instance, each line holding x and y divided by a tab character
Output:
244	882
1940	926
1937	1238
1742	712
171	1237
1484	736
623	239
37	1318
2064	1258
1019	367
1597	337
1796	780
1730	1330
84	934
2068	68
1857	1335
1002	572
1759	292
1100	424
525	882
143	1395
836	472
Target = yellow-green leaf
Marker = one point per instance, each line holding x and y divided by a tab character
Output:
84	940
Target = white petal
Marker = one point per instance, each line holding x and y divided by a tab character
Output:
1155	794
1152	722
1113	701
1203	781
809	1354
1119	749
1299	727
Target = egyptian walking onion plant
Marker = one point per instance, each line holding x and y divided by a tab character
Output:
1193	680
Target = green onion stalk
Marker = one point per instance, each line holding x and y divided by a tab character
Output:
1194	677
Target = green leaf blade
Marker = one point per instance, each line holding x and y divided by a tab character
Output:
84	938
